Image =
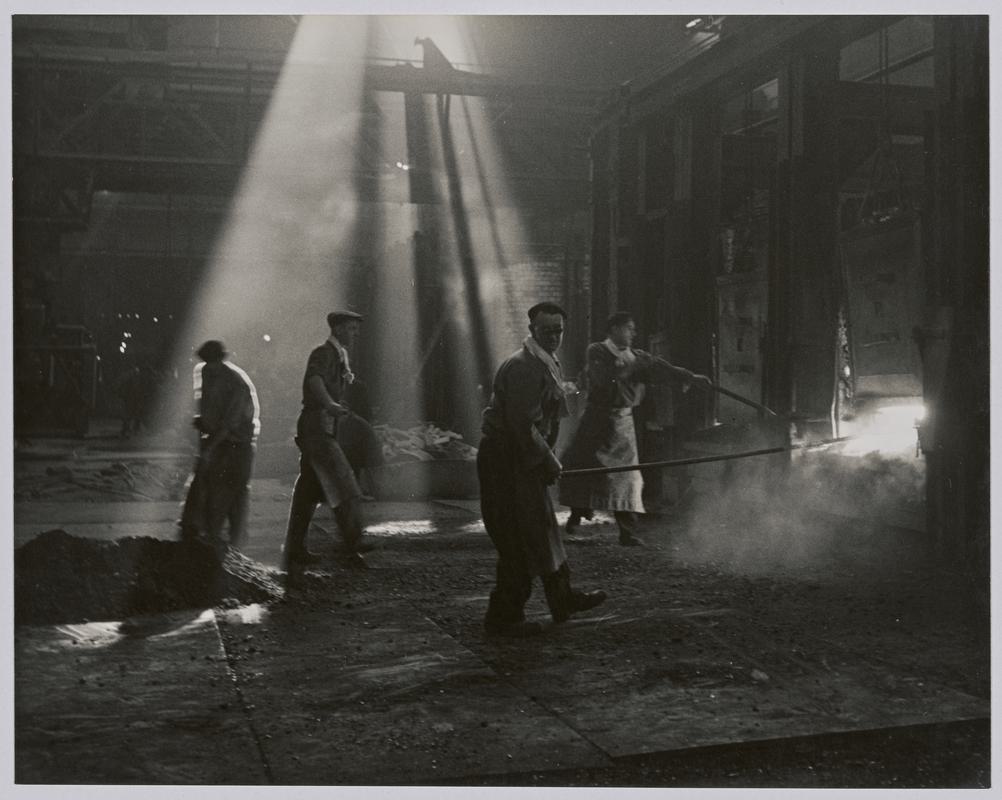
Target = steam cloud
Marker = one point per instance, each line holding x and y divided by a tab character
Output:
818	509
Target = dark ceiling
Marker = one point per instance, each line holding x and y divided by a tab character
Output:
596	51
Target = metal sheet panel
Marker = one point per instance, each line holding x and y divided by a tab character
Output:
881	268
742	301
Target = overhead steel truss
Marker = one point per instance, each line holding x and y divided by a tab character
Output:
139	121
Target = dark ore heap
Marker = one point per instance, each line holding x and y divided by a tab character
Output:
59	578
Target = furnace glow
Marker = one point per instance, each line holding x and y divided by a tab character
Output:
890	430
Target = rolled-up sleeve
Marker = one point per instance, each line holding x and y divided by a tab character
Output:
319	363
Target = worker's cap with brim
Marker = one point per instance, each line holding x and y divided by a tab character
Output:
336	317
212	350
545	308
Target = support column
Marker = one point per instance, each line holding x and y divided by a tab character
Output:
804	266
956	441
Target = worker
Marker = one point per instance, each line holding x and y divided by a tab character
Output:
228	421
325	473
615	379
137	388
516	465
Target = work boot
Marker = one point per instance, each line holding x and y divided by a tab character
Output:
564	600
300	557
349	522
585	601
627	522
577	602
356	548
577	514
295	551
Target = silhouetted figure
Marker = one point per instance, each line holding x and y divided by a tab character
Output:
229	424
137	389
325	472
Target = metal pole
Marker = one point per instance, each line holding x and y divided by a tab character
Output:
678	462
745	400
681	462
726	392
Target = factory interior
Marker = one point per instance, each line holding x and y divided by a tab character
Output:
793	208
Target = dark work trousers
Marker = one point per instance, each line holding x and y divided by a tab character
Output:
559	594
627	521
219	493
498	474
359	442
514	587
306	495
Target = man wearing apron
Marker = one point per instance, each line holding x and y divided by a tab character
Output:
615	377
325	474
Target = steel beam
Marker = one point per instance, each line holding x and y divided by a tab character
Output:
403	78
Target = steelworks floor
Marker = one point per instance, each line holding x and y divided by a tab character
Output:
851	670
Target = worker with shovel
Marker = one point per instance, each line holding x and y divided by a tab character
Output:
325	473
228	420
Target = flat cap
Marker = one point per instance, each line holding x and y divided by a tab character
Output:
342	316
212	350
545	308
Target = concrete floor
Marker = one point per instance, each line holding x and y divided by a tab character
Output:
375	690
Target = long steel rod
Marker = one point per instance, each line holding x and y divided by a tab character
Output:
678	462
726	392
681	462
745	400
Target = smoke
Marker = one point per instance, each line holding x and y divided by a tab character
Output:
807	510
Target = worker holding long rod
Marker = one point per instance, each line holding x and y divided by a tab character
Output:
634	466
615	377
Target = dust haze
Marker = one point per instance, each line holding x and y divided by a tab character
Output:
810	510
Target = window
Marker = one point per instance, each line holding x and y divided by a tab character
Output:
900	54
753	113
656	166
749	123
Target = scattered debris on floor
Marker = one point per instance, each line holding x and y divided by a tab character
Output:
104	480
59	578
422	443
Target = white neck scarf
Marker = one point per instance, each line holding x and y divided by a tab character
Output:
563	387
342	350
624	355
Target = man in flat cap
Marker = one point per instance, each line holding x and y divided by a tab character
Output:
228	420
325	473
516	465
